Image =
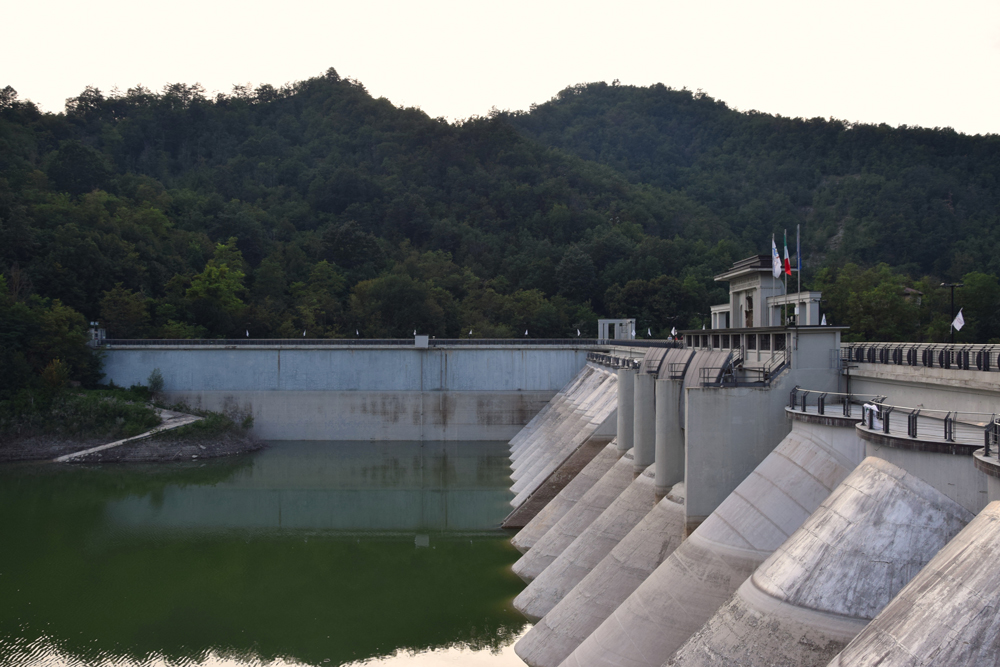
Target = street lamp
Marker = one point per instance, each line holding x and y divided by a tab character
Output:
952	324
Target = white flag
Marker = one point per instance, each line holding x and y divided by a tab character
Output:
649	333
633	332
673	332
248	333
959	321
414	332
525	332
823	323
470	332
702	327
357	333
775	259
303	333
577	333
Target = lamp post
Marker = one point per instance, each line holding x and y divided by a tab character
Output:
951	324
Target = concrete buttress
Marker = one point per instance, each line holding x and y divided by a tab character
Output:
820	588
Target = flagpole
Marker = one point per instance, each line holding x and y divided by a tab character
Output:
798	253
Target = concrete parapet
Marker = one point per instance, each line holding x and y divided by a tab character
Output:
598	594
589	548
576	520
570	494
626	409
832	576
947	615
707	568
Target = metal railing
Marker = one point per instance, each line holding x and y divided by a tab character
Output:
737	374
965	357
367	342
612	361
951	426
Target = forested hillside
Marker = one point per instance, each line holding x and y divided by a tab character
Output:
314	209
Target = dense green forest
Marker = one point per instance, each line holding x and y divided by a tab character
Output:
314	209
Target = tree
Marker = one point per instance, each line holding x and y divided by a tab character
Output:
575	274
124	313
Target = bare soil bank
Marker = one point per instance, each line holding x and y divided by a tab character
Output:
163	448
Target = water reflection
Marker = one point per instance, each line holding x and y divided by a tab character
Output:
360	486
307	553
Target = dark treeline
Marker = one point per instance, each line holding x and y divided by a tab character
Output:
314	209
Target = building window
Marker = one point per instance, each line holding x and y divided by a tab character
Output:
765	341
704	340
725	341
751	341
779	342
715	341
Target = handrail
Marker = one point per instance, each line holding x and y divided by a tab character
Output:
958	427
958	356
365	342
612	361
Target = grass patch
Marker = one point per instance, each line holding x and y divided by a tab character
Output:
112	413
211	425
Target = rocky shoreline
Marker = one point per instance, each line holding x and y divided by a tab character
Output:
149	450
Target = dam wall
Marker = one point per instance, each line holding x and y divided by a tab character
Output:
347	392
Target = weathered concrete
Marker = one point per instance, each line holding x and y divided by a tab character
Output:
353	393
547	416
596	419
947	615
947	467
707	568
833	575
546	492
589	549
585	416
626	409
644	422
171	420
556	508
576	520
598	594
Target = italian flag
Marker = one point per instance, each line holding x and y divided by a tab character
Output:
788	264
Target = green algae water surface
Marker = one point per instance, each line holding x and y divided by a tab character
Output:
316	553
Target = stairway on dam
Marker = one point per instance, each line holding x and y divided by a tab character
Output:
724	525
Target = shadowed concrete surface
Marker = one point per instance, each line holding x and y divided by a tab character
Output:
707	568
589	549
821	587
947	615
584	608
576	520
566	498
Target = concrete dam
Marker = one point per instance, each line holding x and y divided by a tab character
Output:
762	495
771	496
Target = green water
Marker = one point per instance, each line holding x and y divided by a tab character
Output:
304	553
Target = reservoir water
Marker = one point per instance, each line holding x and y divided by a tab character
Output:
316	553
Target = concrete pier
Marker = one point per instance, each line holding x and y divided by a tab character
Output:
708	567
947	615
584	608
588	549
669	445
644	422
576	520
566	498
825	583
626	409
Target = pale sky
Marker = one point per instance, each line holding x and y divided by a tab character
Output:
932	64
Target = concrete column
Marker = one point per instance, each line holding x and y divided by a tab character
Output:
626	395
669	457
644	434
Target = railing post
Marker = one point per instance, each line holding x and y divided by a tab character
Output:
885	419
821	404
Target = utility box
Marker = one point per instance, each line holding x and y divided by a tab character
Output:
420	341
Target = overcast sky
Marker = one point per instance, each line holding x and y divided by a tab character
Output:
915	63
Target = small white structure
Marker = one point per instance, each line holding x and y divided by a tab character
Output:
97	334
616	329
